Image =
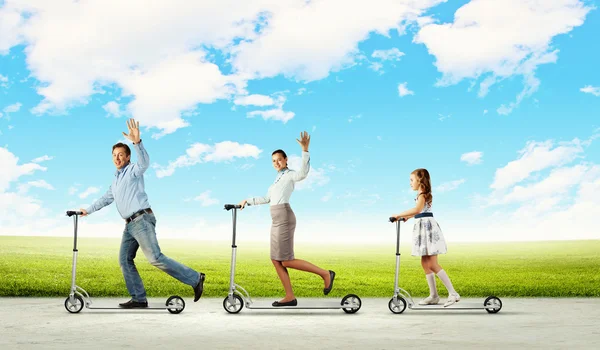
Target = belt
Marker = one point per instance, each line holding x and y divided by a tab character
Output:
136	214
420	215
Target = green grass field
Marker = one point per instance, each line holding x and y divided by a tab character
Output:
41	266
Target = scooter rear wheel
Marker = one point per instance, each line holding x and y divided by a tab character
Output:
352	298
177	303
74	307
236	306
397	308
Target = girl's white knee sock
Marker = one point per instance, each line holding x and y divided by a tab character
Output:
446	280
431	282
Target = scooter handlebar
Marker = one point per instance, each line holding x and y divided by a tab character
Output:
393	219
71	213
232	206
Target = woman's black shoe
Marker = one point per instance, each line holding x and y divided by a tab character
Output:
287	303
328	289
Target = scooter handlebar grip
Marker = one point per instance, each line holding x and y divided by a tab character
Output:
71	213
232	206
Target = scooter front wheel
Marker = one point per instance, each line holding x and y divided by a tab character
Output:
177	304
398	307
74	306
351	299
233	306
492	304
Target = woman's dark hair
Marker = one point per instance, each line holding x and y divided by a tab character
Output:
280	152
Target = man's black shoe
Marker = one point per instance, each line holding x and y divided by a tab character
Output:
199	288
131	304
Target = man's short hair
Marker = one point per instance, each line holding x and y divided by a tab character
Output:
122	145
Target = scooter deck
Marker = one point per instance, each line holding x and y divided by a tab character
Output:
302	305
151	306
455	306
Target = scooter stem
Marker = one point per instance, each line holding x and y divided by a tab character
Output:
74	269
396	282
233	253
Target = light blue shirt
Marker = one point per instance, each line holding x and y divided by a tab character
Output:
281	190
127	188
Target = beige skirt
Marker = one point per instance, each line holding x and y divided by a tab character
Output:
282	232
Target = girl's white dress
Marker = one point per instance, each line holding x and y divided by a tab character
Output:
428	238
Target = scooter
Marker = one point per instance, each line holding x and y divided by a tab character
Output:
398	303
75	301
235	301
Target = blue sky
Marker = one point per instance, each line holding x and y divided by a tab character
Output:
503	113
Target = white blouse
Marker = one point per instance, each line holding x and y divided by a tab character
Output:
281	190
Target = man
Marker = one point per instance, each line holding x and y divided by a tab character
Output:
127	191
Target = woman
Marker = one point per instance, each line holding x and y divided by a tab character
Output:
284	222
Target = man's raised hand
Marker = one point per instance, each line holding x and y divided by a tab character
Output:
134	131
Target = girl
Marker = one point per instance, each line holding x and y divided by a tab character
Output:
284	222
428	240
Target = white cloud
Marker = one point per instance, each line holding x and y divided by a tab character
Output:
89	191
449	186
463	49
403	90
3	79
301	91
552	188
42	159
10	28
73	189
536	156
485	111
23	188
588	89
206	200
14	206
163	66
377	67
392	54
274	114
443	117
198	153
12	171
471	158
316	176
15	107
154	64
254	100
327	197
246	166
363	196
288	46
555	205
113	109
354	117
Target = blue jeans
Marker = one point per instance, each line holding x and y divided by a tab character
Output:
141	233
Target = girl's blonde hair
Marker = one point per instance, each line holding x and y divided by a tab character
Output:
422	176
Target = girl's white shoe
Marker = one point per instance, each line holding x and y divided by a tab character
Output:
430	300
452	298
